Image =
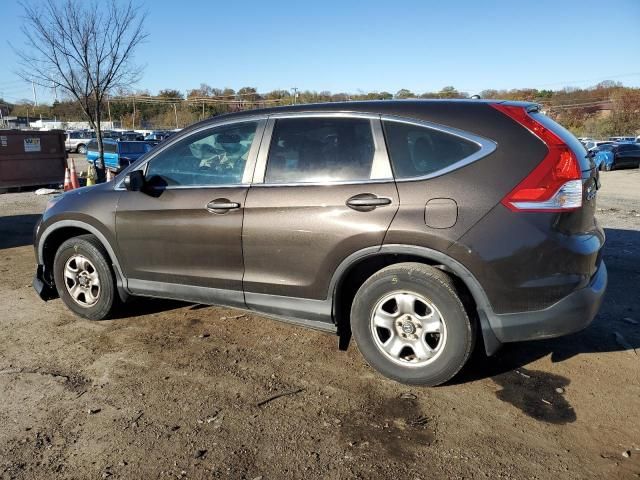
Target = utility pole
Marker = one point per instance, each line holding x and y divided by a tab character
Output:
133	122
295	94
35	98
175	112
203	110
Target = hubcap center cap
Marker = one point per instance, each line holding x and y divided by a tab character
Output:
408	328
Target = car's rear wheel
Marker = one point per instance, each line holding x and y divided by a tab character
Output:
410	324
82	149
84	279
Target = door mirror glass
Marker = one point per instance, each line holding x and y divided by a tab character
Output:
134	181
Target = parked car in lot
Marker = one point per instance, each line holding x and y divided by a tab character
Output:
592	144
385	219
617	155
117	154
157	137
622	139
130	137
76	141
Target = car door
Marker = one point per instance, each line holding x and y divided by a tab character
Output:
111	155
627	155
181	236
323	189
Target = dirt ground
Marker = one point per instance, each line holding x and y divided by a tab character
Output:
174	390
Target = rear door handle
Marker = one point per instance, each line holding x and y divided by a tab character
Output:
221	205
367	202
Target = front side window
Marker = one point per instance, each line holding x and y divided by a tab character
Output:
213	157
316	150
416	151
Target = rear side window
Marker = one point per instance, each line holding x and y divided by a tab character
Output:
93	146
310	150
416	151
110	147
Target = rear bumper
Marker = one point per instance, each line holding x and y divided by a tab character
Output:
571	314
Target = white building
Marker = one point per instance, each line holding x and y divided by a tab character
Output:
56	125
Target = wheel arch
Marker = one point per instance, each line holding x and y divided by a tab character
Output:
356	268
54	235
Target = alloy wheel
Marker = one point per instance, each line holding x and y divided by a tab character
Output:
82	281
408	329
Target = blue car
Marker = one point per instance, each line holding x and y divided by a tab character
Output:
117	155
617	155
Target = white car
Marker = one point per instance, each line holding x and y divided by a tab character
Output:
76	141
592	144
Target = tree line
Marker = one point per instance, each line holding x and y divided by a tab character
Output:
606	109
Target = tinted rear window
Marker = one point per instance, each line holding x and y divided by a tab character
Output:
320	150
416	151
133	147
109	147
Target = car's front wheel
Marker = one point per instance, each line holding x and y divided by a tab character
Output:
84	279
410	324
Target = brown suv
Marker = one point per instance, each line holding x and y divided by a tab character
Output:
415	225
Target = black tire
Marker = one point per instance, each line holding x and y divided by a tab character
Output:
607	167
436	287
107	299
81	149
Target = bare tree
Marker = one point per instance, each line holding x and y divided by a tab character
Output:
84	48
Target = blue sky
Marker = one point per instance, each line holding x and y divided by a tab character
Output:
351	46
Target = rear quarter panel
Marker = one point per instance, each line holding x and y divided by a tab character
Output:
476	188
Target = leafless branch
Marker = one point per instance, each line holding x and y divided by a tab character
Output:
82	47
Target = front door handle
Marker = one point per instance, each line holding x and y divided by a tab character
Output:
221	205
367	201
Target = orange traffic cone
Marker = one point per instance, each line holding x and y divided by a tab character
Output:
67	181
74	176
109	175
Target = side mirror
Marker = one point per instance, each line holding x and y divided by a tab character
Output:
134	181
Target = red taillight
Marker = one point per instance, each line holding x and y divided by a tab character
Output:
555	185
